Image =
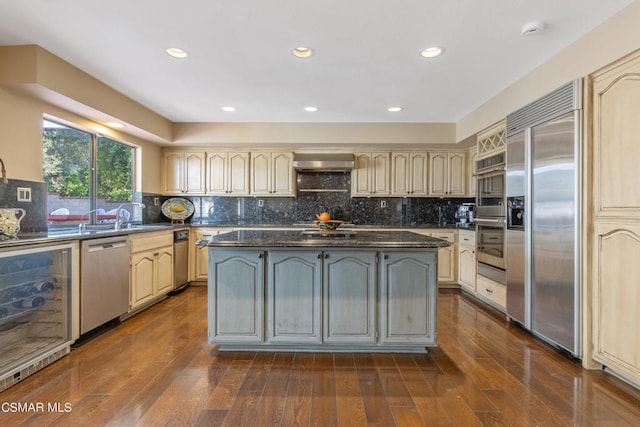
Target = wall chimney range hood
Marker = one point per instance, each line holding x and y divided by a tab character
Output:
323	162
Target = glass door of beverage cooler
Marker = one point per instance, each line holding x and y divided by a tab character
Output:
35	309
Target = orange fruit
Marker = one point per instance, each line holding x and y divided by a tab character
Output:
324	216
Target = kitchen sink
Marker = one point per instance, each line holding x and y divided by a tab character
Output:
328	234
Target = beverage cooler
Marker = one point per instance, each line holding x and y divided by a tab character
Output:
35	309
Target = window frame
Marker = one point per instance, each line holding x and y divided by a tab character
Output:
95	134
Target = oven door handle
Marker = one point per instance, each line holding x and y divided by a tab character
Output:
491	221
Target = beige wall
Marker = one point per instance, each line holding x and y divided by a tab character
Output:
615	38
323	135
21	144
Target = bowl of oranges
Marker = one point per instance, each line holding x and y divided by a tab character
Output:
324	221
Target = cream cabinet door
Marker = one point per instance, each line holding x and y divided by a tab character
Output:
272	174
409	174
183	172
438	174
617	297
361	175
614	239
142	274
194	182
164	270
283	176
173	172
419	174
238	174
371	175
457	174
217	172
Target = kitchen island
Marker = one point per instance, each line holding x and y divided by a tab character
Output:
314	290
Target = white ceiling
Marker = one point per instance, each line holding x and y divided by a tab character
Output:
367	52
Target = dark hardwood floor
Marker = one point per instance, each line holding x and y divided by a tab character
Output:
156	369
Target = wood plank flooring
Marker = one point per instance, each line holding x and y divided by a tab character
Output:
156	369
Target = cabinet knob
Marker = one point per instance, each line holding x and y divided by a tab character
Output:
326	256
386	256
488	290
320	256
259	256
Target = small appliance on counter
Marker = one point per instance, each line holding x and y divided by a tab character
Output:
465	215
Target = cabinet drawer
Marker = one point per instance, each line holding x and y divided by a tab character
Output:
448	236
149	241
467	237
494	291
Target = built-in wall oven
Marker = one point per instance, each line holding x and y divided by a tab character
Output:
490	217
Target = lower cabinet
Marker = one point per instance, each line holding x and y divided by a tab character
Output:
322	298
407	301
349	291
200	264
467	260
493	292
236	296
151	267
294	298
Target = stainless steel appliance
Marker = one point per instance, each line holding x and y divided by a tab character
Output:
490	215
104	281
465	214
36	309
543	230
490	187
180	260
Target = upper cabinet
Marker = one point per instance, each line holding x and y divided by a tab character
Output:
272	174
471	179
409	174
183	172
492	140
370	177
448	173
228	174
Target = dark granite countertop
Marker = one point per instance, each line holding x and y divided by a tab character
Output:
329	239
71	234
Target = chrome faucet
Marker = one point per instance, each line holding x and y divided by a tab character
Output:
118	224
83	225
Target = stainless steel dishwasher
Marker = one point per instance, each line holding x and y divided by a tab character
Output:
104	281
180	260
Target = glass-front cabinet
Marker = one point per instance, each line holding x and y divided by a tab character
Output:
35	309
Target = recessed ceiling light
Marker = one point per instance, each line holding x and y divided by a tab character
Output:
229	108
302	52
394	109
115	125
431	52
176	52
310	109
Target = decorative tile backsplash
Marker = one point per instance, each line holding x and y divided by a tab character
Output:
398	211
35	218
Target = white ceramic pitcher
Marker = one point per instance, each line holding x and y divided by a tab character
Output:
10	221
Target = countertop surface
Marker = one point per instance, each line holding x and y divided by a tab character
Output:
363	231
329	239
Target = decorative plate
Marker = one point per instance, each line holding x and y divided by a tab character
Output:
177	208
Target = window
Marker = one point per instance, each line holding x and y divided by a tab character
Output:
89	177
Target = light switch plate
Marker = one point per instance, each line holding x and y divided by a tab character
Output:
24	194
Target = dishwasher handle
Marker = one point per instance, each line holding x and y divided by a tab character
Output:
107	245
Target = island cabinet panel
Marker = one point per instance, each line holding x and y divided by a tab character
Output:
350	296
236	296
407	297
294	283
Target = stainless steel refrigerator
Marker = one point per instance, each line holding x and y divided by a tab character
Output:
543	217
